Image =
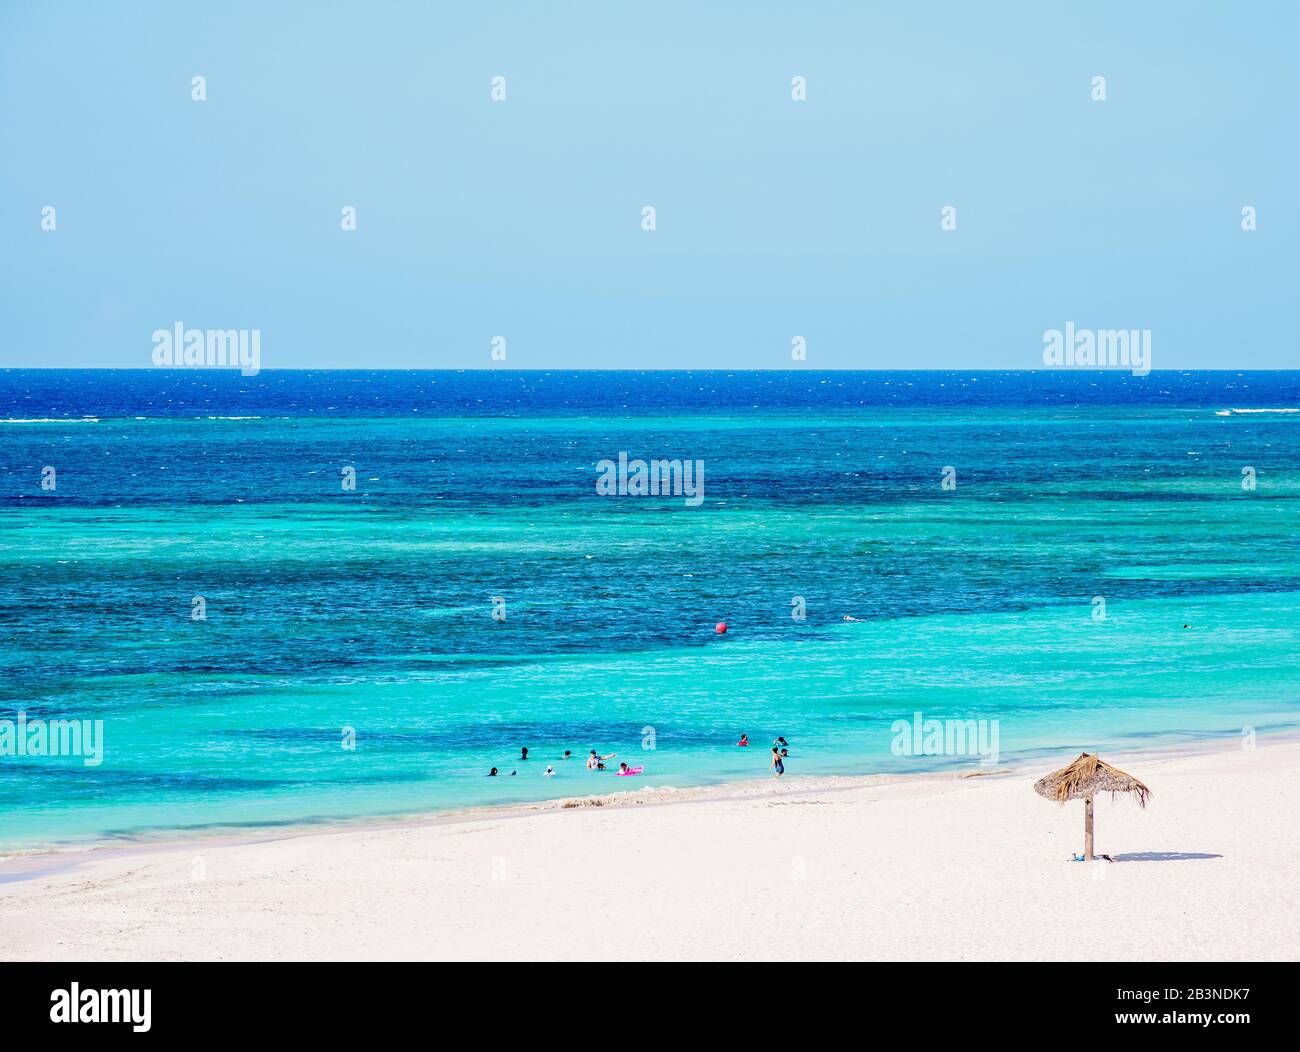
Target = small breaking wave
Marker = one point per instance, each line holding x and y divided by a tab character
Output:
51	420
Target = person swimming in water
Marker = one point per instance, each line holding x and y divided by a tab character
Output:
744	740
492	773
850	617
777	764
550	771
597	763
523	753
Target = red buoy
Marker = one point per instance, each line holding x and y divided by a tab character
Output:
720	628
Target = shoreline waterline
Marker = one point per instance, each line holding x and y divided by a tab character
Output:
21	865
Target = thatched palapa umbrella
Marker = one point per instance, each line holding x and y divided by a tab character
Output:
1084	779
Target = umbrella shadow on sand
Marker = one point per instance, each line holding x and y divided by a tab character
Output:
1090	776
1162	856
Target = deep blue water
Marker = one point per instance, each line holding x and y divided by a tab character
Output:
132	392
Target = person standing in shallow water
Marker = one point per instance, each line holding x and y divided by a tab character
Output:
778	765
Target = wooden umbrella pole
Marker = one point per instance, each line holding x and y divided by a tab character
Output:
1087	828
1084	779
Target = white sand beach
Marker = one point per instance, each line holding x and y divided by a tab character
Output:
949	868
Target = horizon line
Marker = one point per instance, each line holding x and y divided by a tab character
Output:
586	369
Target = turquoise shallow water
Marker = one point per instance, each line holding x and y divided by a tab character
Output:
371	609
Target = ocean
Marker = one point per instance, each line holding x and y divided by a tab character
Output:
1113	563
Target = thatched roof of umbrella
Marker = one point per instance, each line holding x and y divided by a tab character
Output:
1086	777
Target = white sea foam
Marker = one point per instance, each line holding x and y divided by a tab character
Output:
51	420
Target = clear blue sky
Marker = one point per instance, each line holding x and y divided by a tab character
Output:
775	218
